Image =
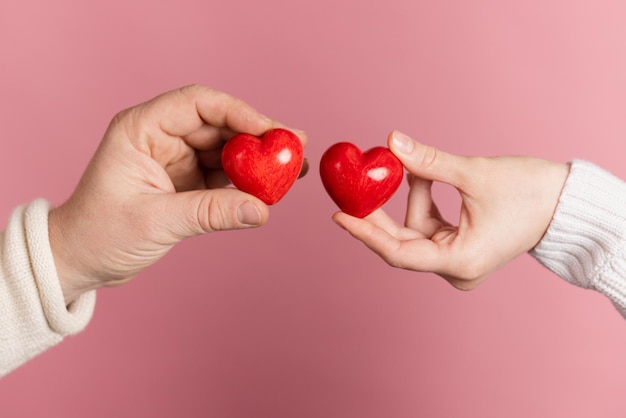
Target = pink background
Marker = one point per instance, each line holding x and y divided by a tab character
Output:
297	319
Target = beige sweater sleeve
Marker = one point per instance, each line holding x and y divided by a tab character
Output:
586	241
33	315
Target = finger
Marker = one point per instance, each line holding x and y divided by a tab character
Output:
380	218
422	213
192	213
420	200
183	111
366	231
417	254
208	137
305	168
428	162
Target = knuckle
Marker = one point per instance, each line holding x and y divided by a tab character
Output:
205	214
120	117
428	157
213	215
393	258
192	89
396	263
235	106
124	118
193	93
125	122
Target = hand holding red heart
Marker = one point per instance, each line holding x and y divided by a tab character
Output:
506	206
155	180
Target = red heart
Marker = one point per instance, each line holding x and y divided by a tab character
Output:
358	182
265	167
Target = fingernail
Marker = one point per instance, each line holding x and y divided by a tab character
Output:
402	142
248	214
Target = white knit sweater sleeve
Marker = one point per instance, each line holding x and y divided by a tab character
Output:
585	243
33	315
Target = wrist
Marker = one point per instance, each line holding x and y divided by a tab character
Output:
66	260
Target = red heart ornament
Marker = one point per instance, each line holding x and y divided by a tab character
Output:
265	167
360	182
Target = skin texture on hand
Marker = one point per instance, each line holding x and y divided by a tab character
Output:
155	180
507	204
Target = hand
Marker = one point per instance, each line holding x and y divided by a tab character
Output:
155	180
507	204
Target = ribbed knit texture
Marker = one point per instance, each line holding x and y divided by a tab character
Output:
33	315
586	241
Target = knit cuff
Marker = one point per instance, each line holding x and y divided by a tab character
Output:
62	319
585	243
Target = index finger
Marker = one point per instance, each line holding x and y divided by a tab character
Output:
428	162
183	111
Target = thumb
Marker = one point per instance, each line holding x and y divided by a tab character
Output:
191	213
427	162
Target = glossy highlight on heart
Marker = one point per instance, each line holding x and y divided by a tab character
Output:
360	182
265	167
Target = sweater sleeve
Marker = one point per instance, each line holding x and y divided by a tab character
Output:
585	243
33	314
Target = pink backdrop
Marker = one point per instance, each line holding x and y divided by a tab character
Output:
297	319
